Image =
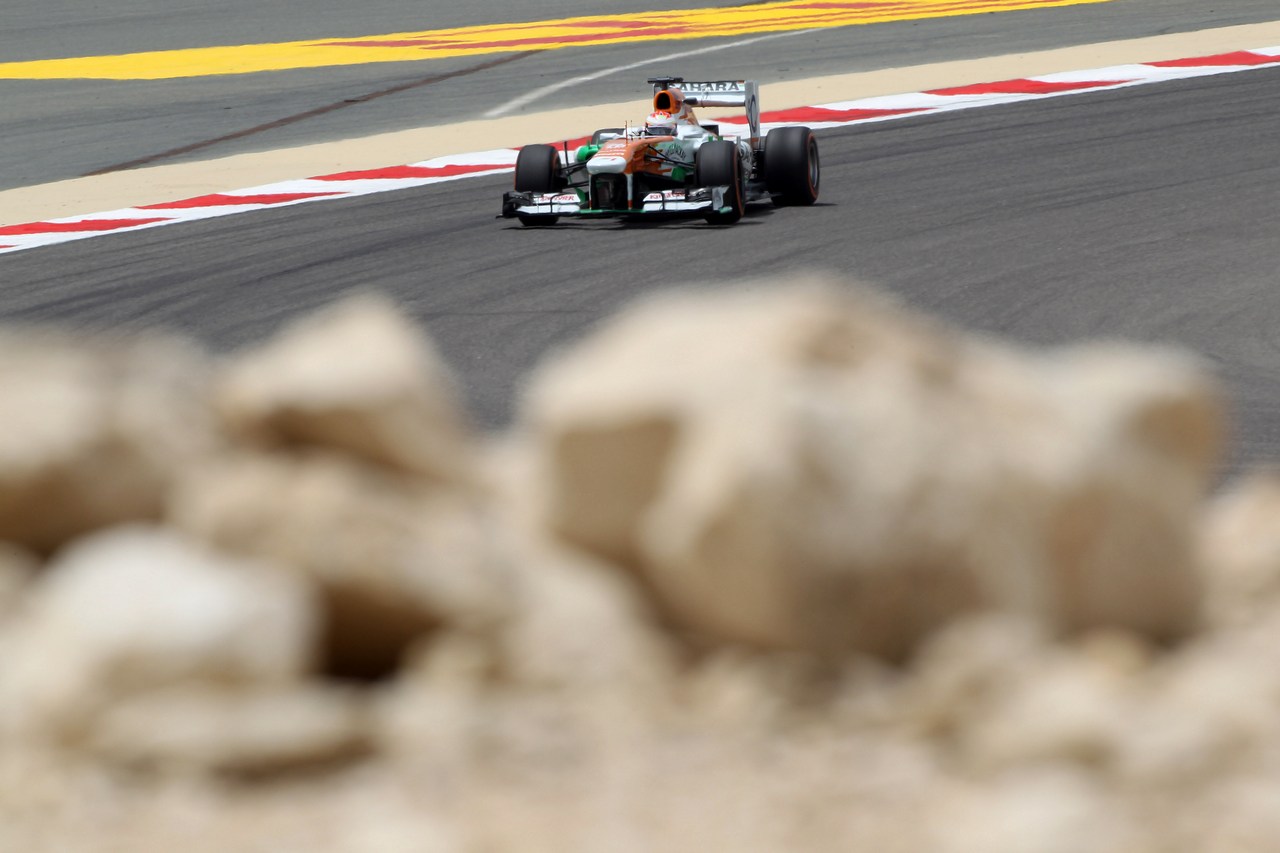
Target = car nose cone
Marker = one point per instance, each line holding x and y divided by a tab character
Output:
606	165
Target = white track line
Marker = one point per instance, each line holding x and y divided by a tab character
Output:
536	94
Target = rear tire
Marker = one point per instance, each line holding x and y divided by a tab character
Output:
792	171
716	165
538	171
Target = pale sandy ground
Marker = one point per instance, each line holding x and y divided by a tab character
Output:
169	183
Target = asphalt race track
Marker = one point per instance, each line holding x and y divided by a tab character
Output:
57	129
1142	214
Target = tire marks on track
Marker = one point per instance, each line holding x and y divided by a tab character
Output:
345	103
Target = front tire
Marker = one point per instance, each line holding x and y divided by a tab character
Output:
792	171
538	171
716	165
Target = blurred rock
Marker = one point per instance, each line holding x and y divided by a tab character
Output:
360	378
1141	434
1003	697
812	468
135	609
575	620
17	570
1041	811
248	733
961	670
1067	710
1208	710
1240	548
576	623
1237	814
771	570
94	429
392	559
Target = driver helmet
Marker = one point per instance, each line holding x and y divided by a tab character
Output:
660	123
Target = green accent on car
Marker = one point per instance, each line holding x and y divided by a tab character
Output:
676	150
586	152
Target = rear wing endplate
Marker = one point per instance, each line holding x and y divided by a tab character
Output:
724	93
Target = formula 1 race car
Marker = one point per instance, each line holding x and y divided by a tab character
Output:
673	164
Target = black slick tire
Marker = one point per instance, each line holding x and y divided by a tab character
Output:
717	165
792	171
538	171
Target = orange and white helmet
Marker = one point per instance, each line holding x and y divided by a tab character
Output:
660	123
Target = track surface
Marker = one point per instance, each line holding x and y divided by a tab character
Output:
1142	214
62	129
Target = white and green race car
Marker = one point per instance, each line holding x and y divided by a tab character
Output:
672	164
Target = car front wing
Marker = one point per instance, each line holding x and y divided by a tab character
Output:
699	200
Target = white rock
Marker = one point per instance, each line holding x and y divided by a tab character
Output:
254	732
1208	711
394	560
1041	811
1240	546
579	624
1239	814
1065	711
357	377
137	608
810	468
17	571
94	431
964	668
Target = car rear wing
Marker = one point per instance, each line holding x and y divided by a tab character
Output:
724	93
